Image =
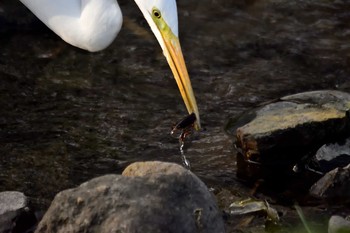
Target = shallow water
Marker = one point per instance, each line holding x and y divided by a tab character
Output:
68	115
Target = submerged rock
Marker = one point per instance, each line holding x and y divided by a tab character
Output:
251	206
15	215
149	197
276	136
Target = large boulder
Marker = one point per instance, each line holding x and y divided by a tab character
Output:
148	197
273	138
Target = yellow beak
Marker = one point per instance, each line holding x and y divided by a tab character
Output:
174	56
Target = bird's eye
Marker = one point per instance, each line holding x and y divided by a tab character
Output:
157	14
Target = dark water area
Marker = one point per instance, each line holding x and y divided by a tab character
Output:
67	115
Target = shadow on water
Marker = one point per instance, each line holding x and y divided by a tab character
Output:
68	115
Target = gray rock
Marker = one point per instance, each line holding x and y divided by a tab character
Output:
338	224
15	215
149	197
335	185
12	201
331	156
281	133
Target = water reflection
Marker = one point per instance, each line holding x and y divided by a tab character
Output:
68	115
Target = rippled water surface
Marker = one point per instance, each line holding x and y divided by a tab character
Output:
67	115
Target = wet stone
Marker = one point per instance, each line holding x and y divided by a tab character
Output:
331	156
338	224
334	186
15	215
148	197
273	138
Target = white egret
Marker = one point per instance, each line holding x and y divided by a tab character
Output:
93	25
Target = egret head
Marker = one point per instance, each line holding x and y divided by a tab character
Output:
161	15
